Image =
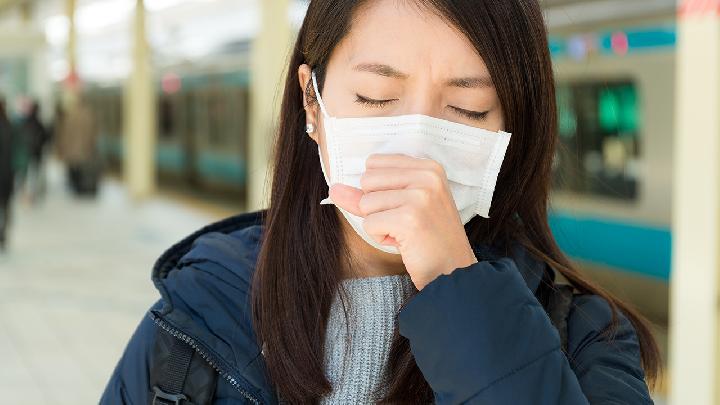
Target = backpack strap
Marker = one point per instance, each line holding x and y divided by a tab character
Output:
178	374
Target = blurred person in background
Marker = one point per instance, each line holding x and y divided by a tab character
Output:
6	173
57	125
21	145
77	147
36	137
383	292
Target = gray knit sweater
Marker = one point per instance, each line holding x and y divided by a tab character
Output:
355	361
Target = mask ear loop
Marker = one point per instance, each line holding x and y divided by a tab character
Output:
324	111
317	94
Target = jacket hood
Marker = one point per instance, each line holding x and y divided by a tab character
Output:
205	282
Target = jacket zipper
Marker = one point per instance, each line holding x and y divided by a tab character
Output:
208	358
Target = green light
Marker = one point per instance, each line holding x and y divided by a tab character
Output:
618	109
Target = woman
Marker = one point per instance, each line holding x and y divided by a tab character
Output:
432	308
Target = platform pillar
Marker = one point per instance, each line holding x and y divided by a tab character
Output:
140	132
270	52
694	315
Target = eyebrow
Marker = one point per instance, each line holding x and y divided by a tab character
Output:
389	71
470	82
380	69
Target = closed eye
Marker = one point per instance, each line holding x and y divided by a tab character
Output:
473	115
372	102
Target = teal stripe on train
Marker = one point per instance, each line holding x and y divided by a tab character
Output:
633	247
659	38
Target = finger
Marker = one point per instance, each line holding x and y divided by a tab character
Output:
346	197
382	200
384	224
394	179
377	201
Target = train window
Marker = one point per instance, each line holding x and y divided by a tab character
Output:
241	112
217	118
118	115
166	117
599	128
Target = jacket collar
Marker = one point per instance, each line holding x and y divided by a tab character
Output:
212	269
171	257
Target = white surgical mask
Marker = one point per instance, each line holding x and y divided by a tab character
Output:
470	156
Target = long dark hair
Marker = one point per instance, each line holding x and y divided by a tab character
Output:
303	250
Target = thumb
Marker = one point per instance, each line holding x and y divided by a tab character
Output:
347	198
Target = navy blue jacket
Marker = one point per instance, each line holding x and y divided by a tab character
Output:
479	335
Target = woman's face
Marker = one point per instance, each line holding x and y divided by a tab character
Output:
397	59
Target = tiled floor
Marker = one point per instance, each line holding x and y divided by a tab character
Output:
73	286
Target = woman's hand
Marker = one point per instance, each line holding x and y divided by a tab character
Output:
406	202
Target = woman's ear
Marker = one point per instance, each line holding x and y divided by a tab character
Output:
304	77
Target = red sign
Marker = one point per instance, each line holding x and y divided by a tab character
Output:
688	8
171	83
72	81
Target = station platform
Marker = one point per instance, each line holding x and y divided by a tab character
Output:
74	284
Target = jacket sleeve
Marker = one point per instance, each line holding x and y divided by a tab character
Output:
129	383
480	336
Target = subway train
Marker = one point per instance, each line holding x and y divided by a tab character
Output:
611	205
202	125
613	172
